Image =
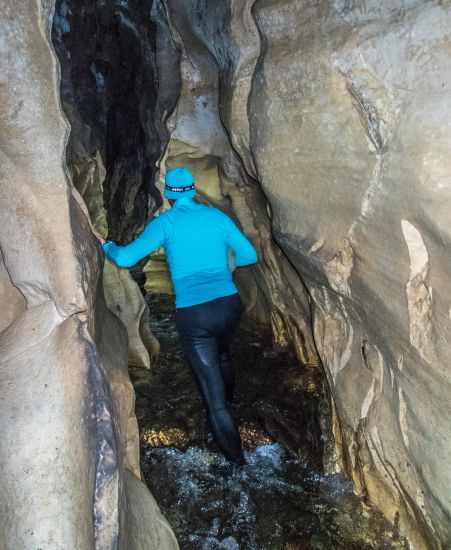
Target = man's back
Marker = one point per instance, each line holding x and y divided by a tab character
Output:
196	239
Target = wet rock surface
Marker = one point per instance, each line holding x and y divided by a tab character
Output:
280	499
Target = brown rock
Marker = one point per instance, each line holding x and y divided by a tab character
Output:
349	125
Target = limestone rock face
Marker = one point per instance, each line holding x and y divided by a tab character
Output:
350	132
145	534
67	423
340	110
124	299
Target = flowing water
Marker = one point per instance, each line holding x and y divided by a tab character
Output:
280	499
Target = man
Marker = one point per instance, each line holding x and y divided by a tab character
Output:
197	240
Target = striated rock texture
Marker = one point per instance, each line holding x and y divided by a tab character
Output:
123	297
340	110
69	474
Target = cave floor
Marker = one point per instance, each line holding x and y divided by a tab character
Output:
279	500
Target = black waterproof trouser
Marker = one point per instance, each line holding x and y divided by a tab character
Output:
206	331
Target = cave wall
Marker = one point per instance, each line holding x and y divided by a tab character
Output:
351	147
69	456
340	111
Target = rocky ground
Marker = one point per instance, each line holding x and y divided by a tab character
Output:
280	499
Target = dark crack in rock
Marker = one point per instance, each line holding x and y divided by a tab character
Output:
119	84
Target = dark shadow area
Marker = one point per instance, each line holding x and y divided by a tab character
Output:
119	84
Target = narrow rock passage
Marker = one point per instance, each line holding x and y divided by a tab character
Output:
279	500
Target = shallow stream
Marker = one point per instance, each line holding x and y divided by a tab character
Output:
280	499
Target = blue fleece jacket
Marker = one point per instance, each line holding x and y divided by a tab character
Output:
196	239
